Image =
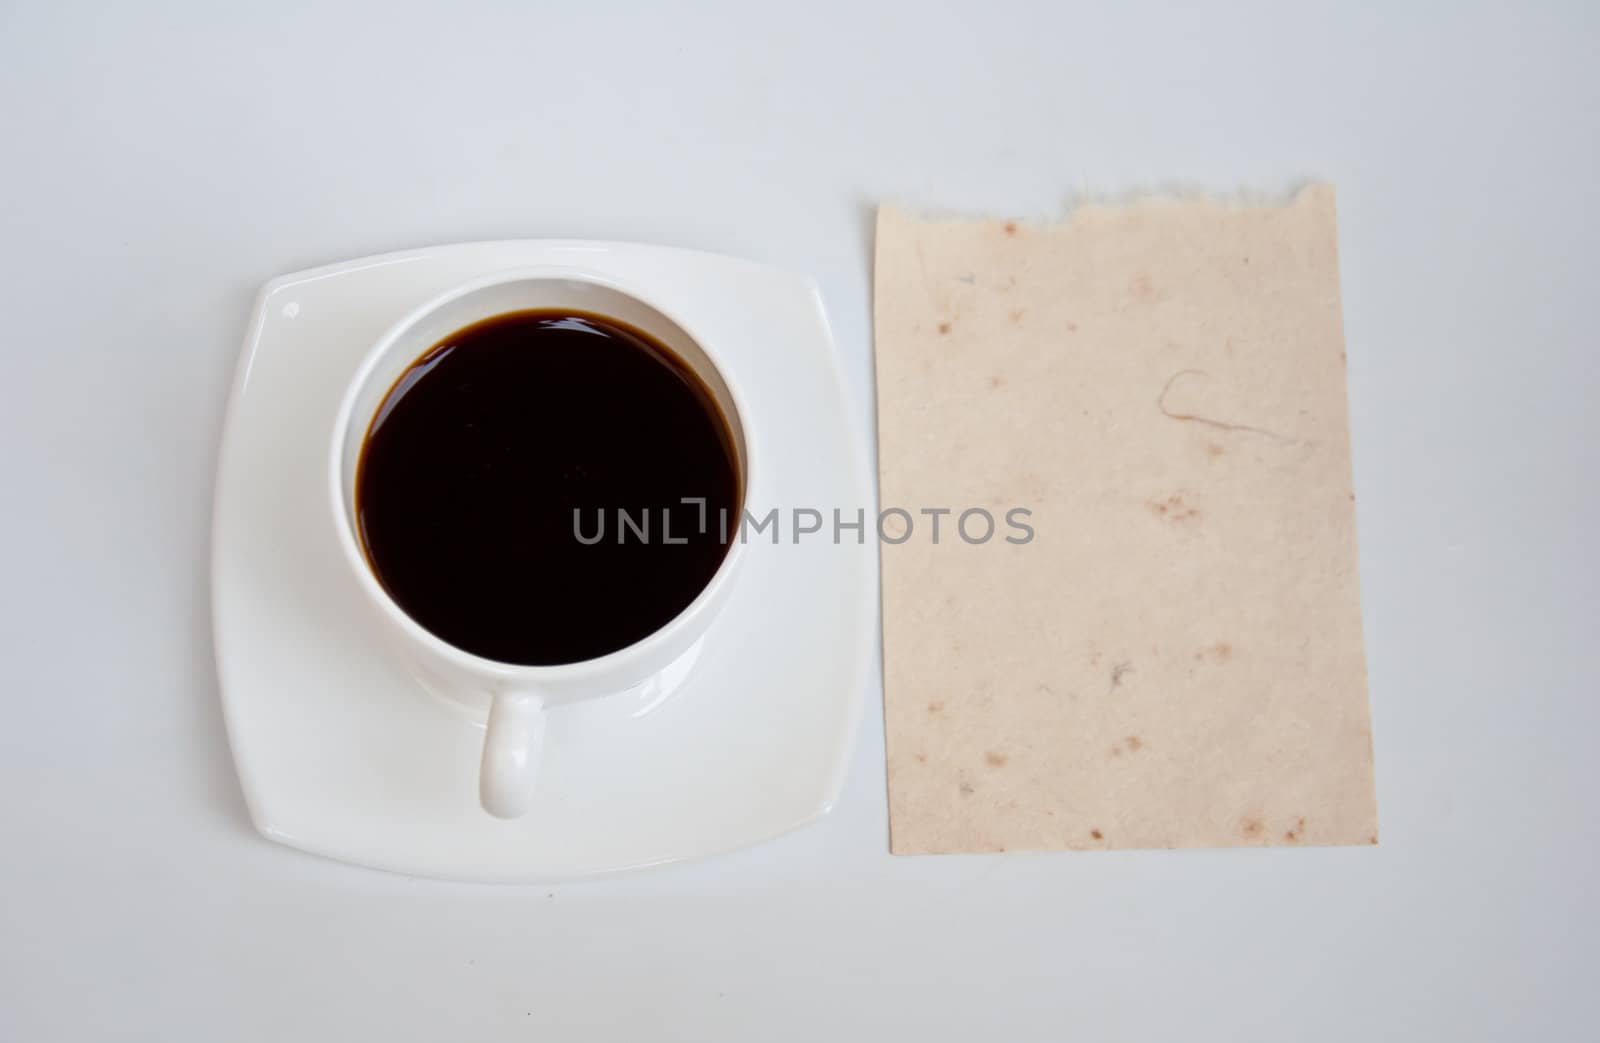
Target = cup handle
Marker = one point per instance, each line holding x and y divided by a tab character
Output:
511	753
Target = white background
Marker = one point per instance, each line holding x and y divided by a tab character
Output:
161	161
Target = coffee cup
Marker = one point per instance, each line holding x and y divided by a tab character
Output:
512	699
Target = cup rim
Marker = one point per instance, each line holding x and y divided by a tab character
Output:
459	657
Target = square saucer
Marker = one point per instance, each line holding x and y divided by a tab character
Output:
342	753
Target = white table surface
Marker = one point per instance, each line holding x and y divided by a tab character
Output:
159	161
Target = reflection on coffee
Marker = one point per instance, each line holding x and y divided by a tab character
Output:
485	447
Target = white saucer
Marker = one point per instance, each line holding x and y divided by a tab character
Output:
342	753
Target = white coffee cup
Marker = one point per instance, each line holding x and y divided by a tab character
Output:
513	699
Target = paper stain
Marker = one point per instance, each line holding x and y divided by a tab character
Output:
1196	418
1175	508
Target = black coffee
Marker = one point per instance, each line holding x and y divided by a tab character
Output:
499	456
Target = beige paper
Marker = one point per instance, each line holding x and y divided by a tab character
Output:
1175	657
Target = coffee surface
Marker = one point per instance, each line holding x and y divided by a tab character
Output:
521	489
